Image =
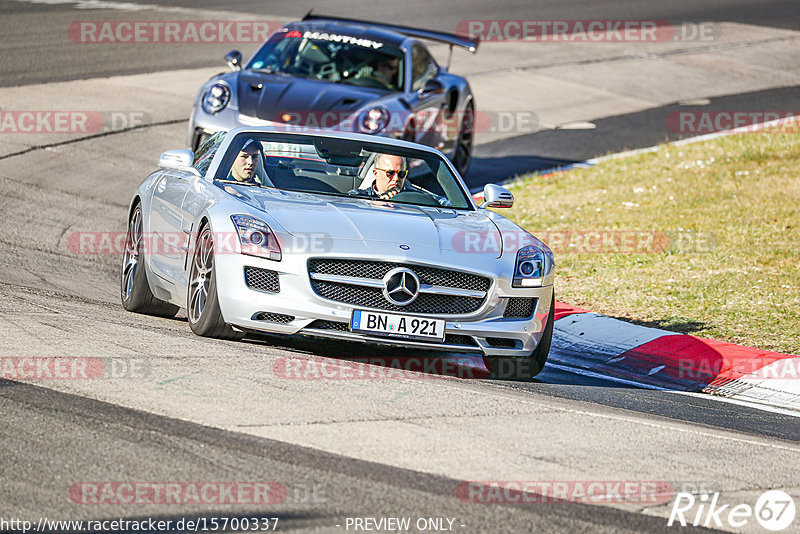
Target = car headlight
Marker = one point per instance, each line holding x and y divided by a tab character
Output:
216	98
256	237
531	267
375	120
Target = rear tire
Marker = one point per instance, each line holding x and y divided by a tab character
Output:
134	289
524	367
202	305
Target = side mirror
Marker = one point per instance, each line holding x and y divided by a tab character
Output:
179	159
495	196
234	60
431	87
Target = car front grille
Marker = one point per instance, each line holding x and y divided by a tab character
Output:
520	307
322	324
372	297
502	342
459	339
262	279
378	269
273	317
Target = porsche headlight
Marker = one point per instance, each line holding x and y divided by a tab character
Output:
216	98
256	237
531	267
375	120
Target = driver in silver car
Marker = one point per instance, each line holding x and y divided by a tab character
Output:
389	177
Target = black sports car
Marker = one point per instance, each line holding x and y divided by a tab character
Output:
348	75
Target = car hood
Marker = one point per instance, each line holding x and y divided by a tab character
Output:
269	96
336	218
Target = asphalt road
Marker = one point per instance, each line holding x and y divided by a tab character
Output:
87	440
57	303
36	47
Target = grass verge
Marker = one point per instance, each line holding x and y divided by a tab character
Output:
702	238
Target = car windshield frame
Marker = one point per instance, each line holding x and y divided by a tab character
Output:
332	57
457	197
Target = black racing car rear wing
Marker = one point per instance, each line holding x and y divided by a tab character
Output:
471	45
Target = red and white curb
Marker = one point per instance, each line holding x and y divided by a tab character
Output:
600	346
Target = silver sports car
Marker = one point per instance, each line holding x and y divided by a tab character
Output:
336	235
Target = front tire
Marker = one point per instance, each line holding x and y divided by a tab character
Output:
202	305
466	135
134	289
524	367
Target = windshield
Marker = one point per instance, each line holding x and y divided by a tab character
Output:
332	57
342	167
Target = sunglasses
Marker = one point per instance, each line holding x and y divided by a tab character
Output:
390	173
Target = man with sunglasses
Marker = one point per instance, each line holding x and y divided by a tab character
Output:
389	177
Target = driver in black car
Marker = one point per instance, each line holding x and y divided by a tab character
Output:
385	71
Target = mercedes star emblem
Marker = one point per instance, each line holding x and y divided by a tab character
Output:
400	286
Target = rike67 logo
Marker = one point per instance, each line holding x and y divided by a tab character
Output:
774	510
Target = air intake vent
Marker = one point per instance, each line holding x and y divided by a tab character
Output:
273	317
520	307
502	342
459	339
321	324
262	279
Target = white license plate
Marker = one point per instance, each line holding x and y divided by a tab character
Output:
402	326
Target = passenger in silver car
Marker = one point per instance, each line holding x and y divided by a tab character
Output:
246	162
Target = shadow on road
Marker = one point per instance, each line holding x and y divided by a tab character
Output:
343	360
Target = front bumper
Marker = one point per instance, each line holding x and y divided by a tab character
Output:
295	309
